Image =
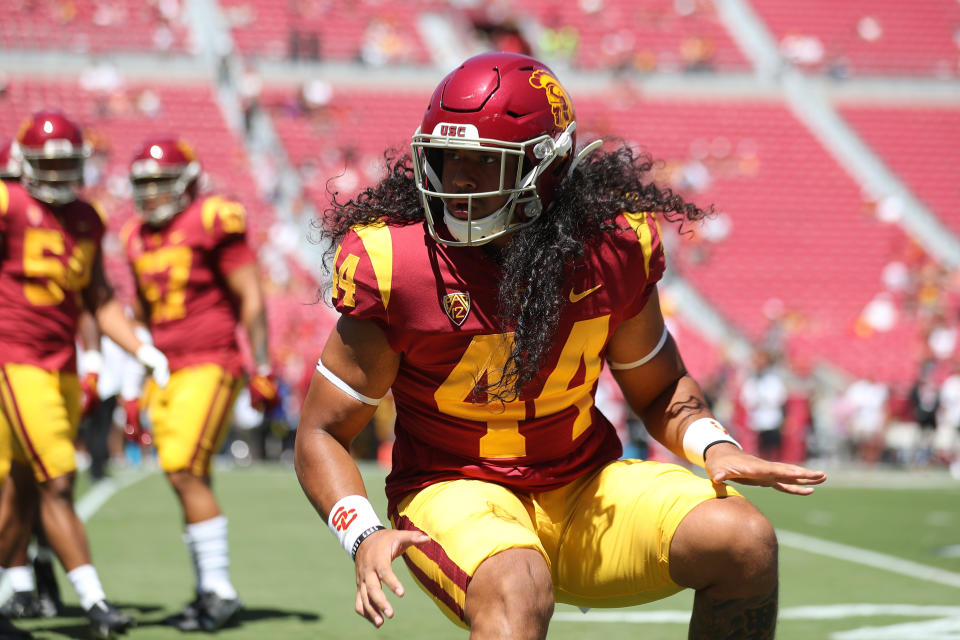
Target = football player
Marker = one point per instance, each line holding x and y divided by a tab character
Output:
196	279
35	590
50	270
485	280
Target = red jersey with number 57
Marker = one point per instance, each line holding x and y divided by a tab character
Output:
47	256
180	271
438	307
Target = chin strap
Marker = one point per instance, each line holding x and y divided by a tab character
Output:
587	150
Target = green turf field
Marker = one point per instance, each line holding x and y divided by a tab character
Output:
867	557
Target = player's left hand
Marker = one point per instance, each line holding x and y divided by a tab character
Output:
264	391
374	565
90	362
726	462
154	360
88	387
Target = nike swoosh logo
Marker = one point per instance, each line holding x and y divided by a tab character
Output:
577	297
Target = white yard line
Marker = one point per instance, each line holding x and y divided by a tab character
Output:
90	502
867	558
818	612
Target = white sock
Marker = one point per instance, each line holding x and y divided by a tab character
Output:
21	579
207	543
86	583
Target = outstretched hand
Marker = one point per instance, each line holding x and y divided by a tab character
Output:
725	462
373	562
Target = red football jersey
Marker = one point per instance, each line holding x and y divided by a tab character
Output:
179	271
46	259
438	305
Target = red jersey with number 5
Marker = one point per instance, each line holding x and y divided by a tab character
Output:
438	307
180	270
46	260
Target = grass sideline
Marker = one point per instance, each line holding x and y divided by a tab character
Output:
297	583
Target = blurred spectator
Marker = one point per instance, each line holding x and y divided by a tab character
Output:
696	53
303	45
802	50
948	419
149	103
865	403
924	400
559	43
249	89
498	32
764	398
384	43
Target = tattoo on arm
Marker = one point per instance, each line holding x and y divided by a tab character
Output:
691	407
741	619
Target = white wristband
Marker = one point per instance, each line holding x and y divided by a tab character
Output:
351	520
700	435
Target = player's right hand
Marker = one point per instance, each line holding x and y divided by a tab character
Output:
374	564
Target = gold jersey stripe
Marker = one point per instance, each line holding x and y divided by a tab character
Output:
4	198
211	206
379	246
638	221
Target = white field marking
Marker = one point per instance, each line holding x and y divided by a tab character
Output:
103	490
867	558
821	612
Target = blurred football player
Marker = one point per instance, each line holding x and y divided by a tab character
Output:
486	280
196	279
9	167
50	270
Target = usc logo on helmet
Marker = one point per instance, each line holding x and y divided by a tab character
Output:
556	96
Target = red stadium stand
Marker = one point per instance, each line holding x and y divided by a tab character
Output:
649	35
868	36
329	30
89	26
921	144
336	142
801	247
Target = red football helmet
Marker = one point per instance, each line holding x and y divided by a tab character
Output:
9	166
164	175
51	152
506	104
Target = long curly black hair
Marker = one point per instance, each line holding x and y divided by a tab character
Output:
584	205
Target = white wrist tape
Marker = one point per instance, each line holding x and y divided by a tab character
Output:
343	386
351	520
700	435
645	359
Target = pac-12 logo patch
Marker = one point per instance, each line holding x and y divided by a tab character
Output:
343	518
457	306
